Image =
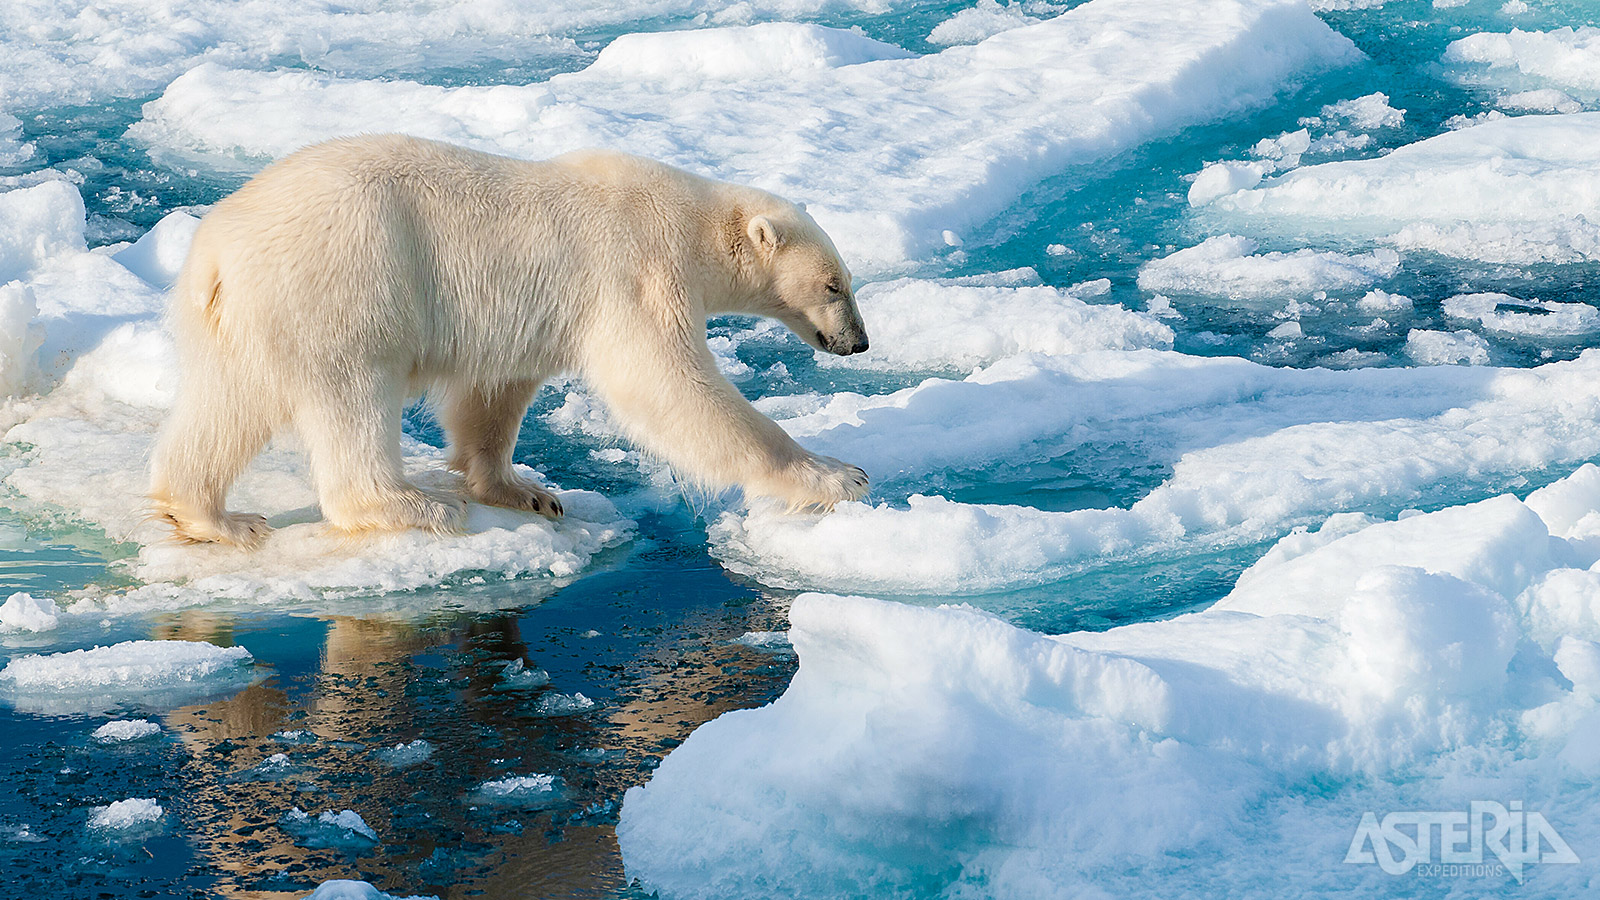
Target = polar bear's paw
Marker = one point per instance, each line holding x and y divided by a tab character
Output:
819	482
432	511
517	493
244	530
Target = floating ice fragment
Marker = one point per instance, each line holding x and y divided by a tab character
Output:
131	666
536	791
340	889
406	754
517	677
344	830
768	641
125	814
1228	266
1446	348
23	612
1500	312
1220	178
122	731
554	704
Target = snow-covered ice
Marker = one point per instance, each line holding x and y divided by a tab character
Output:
345	889
1512	315
154	673
1230	266
884	170
1565	58
1362	652
1517	190
1446	348
24	612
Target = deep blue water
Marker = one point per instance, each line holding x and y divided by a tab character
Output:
647	632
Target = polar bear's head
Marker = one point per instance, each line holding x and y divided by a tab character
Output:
801	281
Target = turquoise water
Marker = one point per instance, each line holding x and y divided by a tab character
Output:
647	631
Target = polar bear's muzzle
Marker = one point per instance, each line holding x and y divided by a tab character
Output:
844	343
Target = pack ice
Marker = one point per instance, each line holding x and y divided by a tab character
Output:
944	141
152	674
1414	663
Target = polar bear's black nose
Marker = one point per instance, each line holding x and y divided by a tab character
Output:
860	346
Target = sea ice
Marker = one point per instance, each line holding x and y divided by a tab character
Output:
1384	661
536	791
23	612
885	170
1446	348
1567	58
125	730
1229	266
1510	315
131	666
125	814
1509	190
341	889
344	830
988	18
405	754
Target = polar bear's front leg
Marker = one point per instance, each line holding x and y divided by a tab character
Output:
351	426
664	387
482	426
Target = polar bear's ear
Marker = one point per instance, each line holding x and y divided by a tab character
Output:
763	235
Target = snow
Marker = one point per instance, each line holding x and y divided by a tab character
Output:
929	325
1509	190
67	53
885	171
1565	58
764	51
158	255
536	791
129	667
125	814
1446	348
344	830
122	731
1510	315
987	19
1382	659
1254	451
23	612
1229	266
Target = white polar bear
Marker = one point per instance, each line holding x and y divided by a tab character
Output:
360	272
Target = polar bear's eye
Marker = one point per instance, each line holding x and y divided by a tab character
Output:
834	288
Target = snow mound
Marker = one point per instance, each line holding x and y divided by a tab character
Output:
918	324
158	255
886	172
125	730
126	814
1228	266
342	889
1509	190
769	51
1384	661
987	19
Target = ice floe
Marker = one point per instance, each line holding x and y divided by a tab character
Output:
1385	661
1566	58
1253	451
536	791
24	612
1446	348
1229	266
408	753
343	830
1510	190
887	172
1511	315
345	889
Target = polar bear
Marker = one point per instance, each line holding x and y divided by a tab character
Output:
358	273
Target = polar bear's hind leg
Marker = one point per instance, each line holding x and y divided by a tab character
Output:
216	428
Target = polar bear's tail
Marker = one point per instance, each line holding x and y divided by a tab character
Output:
197	296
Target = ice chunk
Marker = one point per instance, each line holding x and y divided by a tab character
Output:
555	704
125	730
1369	113
1220	178
767	641
14	151
1500	312
19	339
158	255
1446	348
1563	57
516	676
536	791
925	325
1547	100
276	767
405	754
159	673
1021	106
22	612
988	18
769	51
1510	190
1228	266
344	830
126	814
1383	301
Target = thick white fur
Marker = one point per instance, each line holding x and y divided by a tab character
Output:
357	273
